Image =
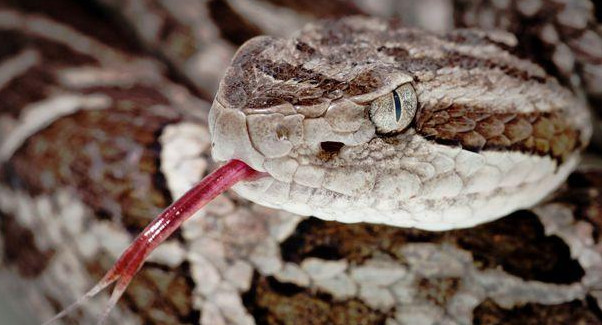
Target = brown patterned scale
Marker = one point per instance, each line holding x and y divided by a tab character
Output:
93	135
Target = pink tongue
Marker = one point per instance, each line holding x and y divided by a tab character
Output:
160	228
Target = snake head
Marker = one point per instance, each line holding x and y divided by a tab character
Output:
285	95
361	120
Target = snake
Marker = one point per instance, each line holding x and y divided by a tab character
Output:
361	120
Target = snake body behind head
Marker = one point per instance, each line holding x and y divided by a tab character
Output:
360	120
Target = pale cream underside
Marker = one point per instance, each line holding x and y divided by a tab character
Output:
472	189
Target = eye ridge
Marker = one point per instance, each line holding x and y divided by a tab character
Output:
397	106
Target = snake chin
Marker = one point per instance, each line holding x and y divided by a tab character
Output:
450	189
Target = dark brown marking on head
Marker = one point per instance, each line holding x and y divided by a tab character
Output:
284	71
476	38
317	85
364	83
454	59
251	50
397	52
20	248
232	25
267	101
305	48
236	86
541	133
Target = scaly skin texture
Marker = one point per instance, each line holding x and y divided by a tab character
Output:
92	171
493	133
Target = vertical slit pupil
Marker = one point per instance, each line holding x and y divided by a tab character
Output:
397	106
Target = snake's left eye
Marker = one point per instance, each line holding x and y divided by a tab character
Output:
393	112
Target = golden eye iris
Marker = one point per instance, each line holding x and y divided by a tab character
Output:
393	112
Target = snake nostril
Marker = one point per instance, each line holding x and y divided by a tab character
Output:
331	146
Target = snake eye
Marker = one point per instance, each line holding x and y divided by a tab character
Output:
393	112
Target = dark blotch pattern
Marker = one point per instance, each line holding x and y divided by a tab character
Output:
583	192
12	43
530	28
232	25
111	156
33	85
274	303
20	249
158	294
576	312
517	244
24	90
84	16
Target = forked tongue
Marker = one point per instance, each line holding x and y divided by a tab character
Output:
159	229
